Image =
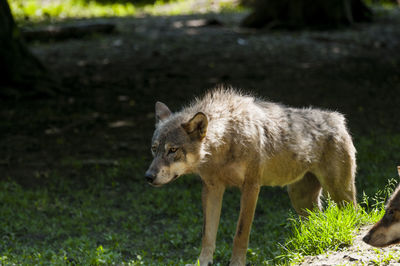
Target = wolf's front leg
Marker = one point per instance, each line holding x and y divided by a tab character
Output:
248	202
212	201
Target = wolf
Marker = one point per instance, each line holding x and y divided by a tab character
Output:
231	138
386	232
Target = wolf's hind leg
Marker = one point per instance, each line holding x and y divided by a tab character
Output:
336	173
338	182
305	194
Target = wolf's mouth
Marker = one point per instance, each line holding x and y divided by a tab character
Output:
397	240
383	245
155	185
159	185
175	177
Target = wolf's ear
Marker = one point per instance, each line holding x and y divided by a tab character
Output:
162	112
197	126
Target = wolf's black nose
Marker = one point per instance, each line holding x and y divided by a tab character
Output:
367	238
149	177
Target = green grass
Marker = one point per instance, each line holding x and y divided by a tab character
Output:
385	258
377	158
41	10
108	215
333	229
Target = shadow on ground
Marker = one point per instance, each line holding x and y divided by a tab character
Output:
113	82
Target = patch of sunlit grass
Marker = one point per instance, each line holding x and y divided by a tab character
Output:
41	10
334	228
179	7
36	10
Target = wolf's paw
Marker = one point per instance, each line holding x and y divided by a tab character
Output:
199	263
238	262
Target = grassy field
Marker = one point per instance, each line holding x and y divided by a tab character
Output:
107	217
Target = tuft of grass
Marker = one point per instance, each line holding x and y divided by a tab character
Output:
334	228
378	200
330	230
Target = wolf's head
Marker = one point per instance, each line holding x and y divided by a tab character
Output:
175	146
386	232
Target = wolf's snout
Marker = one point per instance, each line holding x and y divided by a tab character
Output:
367	238
149	177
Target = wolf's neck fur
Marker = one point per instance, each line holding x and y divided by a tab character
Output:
231	114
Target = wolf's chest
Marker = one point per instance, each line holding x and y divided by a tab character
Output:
283	169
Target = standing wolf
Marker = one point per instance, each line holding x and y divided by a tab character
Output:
231	139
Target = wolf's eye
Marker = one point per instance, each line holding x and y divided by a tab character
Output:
153	149
172	150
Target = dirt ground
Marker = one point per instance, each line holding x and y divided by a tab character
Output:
358	254
112	82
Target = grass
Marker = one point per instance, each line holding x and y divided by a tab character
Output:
104	216
385	258
332	229
99	220
42	10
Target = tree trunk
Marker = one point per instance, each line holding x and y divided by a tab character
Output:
295	14
21	71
